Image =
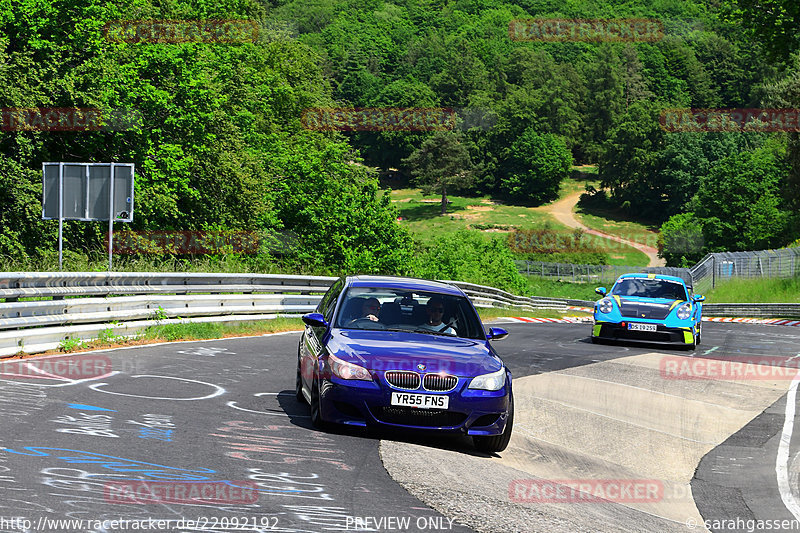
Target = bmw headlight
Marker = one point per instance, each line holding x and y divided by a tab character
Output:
684	311
605	305
344	370
493	381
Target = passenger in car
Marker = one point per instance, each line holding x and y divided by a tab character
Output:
435	310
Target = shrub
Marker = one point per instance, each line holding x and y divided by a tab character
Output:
472	257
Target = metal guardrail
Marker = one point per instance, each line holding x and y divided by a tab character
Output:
61	306
767	310
57	306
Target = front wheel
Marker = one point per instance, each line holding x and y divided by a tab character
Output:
316	414
298	385
497	443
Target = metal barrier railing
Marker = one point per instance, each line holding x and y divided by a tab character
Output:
61	306
57	306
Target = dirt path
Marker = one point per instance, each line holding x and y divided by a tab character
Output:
562	210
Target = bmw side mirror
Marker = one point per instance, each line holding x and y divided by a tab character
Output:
698	297
601	291
496	334
315	320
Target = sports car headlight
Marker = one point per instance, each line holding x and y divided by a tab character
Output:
345	370
493	381
684	311
605	305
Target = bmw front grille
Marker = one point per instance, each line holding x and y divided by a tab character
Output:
439	382
403	379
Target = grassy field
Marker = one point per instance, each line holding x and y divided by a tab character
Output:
778	290
611	222
420	214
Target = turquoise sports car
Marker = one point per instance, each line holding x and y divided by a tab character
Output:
650	308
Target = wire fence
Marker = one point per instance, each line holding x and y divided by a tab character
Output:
711	270
721	267
574	273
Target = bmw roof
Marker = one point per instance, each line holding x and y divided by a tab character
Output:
410	284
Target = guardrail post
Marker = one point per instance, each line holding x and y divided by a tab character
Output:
713	271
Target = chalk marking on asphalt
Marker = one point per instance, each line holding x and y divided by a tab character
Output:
219	390
782	459
715	348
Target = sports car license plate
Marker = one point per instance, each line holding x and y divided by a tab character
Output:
635	326
423	401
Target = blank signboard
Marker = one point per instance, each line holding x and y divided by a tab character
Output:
86	191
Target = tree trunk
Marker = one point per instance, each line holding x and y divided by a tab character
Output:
444	200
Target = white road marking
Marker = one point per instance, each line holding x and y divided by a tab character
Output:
782	459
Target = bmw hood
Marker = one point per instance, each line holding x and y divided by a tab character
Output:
389	350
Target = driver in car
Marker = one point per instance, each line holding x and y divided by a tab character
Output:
369	310
435	310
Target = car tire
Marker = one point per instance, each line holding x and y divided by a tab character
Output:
316	414
497	443
298	384
699	335
595	340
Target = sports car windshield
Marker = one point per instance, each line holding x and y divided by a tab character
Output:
650	288
413	311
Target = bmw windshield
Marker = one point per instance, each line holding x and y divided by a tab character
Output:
378	308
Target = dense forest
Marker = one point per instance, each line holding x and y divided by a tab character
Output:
220	142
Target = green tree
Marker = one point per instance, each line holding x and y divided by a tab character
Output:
468	255
534	167
606	100
680	240
441	162
629	158
333	203
739	202
773	22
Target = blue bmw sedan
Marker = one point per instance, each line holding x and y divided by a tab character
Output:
405	354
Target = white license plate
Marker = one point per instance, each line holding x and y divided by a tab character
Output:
423	401
636	326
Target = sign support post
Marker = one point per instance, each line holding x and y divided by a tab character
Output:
60	214
110	217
